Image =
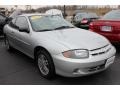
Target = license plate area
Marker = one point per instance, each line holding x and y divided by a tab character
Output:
99	67
106	63
106	28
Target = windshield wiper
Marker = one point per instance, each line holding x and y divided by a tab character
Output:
44	30
62	27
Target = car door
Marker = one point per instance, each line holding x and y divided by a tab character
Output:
23	39
11	28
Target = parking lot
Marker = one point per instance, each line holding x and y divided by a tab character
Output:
17	68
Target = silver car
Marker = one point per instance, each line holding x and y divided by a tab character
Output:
57	46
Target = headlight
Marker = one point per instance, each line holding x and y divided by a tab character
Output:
76	54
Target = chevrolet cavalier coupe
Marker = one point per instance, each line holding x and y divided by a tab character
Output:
57	46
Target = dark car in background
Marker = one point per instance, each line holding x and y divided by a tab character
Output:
3	20
83	19
108	26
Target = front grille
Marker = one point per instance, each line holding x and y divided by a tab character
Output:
100	51
99	67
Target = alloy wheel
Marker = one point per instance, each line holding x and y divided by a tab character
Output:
43	64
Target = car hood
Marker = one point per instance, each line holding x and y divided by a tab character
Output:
75	38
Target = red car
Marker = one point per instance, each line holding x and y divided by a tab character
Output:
108	26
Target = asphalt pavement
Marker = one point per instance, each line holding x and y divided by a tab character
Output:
18	69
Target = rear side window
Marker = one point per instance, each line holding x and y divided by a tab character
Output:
112	15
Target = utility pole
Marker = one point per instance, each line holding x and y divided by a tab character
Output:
64	9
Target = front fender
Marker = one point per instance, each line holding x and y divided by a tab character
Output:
52	47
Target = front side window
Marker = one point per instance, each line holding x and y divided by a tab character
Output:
45	23
21	22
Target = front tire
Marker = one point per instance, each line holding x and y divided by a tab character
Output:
45	64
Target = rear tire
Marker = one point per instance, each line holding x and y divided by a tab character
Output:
45	64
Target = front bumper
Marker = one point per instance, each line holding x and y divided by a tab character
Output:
81	67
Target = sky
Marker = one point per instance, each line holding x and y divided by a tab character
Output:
19	6
35	6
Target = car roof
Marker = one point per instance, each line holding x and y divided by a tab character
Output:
18	13
32	14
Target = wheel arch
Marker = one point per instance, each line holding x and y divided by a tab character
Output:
37	48
52	62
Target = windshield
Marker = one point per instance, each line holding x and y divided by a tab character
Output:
45	23
112	15
92	15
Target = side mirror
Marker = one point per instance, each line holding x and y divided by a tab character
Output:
23	29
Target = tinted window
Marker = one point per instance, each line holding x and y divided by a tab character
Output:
112	15
21	22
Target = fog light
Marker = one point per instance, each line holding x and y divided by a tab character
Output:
77	71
